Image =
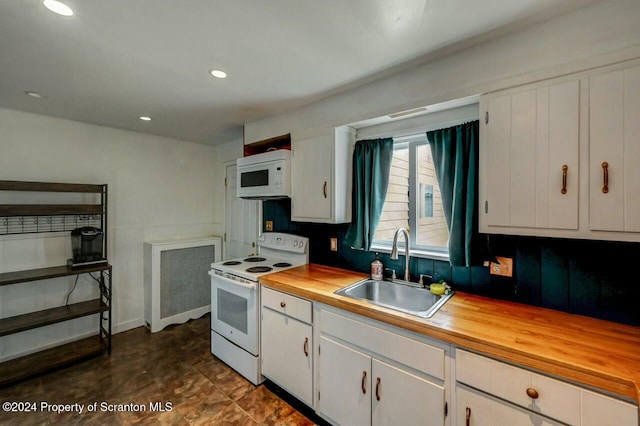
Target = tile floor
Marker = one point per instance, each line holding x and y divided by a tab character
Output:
174	366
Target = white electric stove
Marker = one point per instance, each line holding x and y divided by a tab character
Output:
235	299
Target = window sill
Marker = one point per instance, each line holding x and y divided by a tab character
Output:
424	254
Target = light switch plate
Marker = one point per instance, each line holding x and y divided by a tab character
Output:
333	244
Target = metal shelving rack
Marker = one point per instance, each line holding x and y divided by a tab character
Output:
36	218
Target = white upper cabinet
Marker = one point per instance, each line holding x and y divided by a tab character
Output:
529	155
321	177
614	150
559	158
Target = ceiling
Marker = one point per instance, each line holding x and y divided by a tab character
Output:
114	61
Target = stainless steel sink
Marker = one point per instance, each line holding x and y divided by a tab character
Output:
398	296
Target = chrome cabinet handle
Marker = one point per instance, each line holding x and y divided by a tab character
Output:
605	172
305	347
364	377
564	178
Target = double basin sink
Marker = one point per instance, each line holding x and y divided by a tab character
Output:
397	295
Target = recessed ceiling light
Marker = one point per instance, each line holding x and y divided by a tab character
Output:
145	118
58	7
33	94
218	73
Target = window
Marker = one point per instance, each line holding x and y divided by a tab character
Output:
413	199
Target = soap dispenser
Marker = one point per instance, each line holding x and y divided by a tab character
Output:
376	269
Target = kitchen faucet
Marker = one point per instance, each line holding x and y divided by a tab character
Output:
394	250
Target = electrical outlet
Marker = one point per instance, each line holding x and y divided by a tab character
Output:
268	225
504	268
333	244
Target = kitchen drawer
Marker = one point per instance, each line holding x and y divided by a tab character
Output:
475	408
556	399
412	353
287	304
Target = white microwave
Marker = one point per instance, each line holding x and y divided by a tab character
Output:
264	176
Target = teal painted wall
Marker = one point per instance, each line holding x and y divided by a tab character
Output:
592	278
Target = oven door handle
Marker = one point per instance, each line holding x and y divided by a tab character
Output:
250	286
245	285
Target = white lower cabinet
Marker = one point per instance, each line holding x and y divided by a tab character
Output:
475	408
344	388
362	382
287	343
400	397
491	392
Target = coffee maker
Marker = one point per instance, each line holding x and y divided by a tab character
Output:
86	245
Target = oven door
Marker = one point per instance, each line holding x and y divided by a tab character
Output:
234	310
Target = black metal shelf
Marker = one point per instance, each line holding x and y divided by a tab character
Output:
15	185
46	273
50	316
38	218
49	359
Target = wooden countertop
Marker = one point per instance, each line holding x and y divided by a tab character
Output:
598	353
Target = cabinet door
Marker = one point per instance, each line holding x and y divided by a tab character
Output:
529	150
475	408
600	410
287	354
614	151
311	179
344	384
402	398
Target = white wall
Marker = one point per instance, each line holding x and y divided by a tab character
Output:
158	189
602	33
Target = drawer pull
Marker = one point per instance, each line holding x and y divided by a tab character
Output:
324	189
282	304
605	172
532	393
564	178
364	377
468	416
305	347
378	389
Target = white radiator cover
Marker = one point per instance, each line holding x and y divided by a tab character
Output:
177	286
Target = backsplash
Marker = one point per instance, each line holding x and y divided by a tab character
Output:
592	278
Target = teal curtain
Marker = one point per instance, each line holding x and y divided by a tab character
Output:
371	166
455	155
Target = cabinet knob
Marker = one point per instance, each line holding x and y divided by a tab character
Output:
532	393
283	304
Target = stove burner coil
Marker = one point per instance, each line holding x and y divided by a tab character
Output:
232	262
281	265
255	269
255	259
